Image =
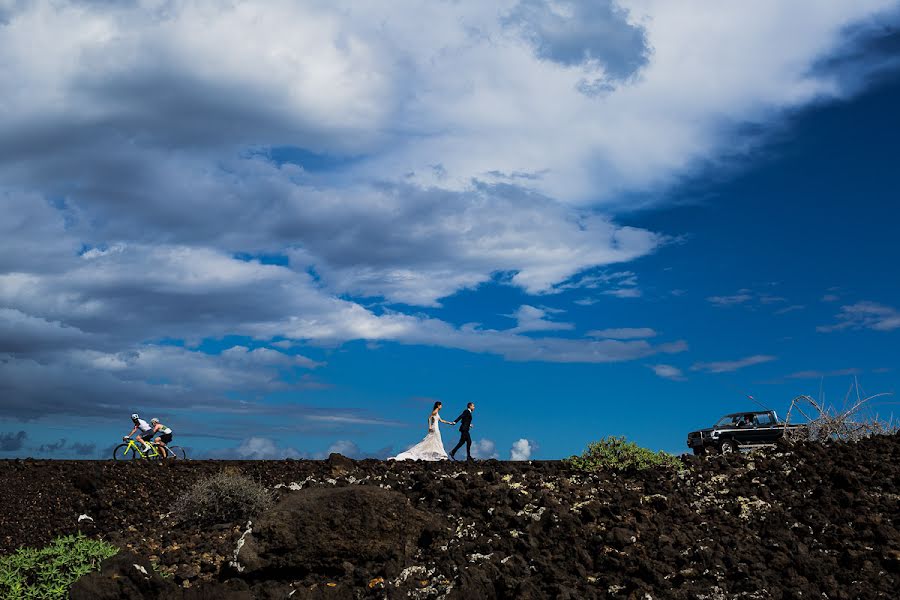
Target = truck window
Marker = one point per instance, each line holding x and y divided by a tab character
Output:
764	420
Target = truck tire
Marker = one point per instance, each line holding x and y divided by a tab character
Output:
728	447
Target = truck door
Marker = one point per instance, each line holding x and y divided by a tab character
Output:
763	429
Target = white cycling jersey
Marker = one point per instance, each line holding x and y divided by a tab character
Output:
143	425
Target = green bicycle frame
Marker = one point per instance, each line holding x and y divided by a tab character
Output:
132	445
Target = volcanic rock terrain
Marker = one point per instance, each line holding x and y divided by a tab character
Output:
808	521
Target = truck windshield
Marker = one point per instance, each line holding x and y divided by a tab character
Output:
730	421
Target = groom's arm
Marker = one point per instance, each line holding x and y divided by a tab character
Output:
459	418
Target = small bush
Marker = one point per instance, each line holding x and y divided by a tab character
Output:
615	453
226	497
47	573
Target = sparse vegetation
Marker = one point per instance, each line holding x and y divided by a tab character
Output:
47	573
226	497
616	453
824	422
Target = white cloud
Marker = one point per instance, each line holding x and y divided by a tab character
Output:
24	333
521	449
495	141
789	309
815	374
624	293
865	315
668	372
261	448
531	318
623	333
368	79
727	366
740	298
95	315
752	299
267	357
621	284
345	447
484	448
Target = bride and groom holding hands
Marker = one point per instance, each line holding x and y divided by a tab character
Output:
432	447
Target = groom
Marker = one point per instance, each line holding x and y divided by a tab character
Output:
465	420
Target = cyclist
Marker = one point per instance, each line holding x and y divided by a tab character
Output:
145	430
162	434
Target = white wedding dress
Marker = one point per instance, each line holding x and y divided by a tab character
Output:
431	448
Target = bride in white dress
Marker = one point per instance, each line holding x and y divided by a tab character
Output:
432	447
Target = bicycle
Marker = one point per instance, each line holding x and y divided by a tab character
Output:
176	452
121	452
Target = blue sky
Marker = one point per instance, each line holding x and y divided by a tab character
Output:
588	218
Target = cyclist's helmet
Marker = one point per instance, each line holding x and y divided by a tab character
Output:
135	417
154	421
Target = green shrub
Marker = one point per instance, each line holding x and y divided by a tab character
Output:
615	453
226	497
46	574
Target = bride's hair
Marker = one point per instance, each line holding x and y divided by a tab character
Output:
436	405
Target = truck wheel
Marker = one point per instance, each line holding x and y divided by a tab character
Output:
728	447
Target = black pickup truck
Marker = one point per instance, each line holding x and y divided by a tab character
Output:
737	430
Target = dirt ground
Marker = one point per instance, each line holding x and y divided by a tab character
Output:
809	521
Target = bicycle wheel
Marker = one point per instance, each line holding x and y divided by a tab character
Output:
177	452
121	453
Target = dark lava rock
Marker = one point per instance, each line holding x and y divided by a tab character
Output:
321	529
339	463
621	537
85	483
123	576
127	576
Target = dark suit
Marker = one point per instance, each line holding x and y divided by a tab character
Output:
465	423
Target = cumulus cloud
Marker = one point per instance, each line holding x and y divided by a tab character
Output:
727	366
84	449
257	448
521	449
66	448
345	447
12	442
141	187
351	450
336	79
26	334
484	449
583	33
53	447
265	448
864	315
